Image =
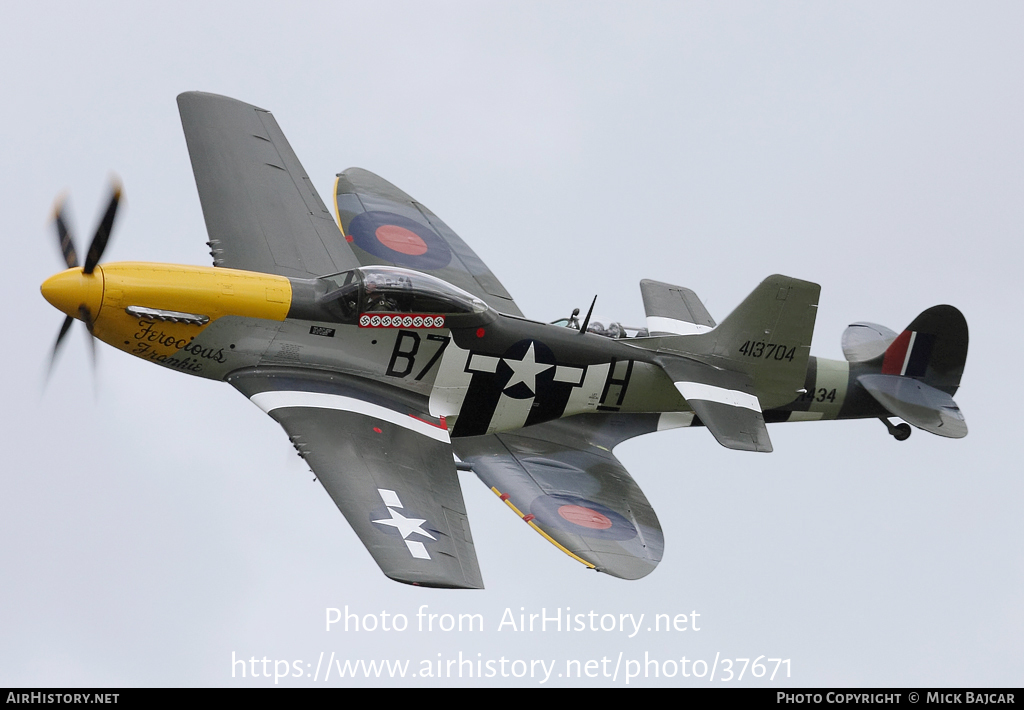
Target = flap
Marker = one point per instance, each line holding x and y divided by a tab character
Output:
387	465
261	210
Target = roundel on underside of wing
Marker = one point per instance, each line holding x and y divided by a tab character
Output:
399	240
582	517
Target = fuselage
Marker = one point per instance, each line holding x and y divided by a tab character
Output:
481	370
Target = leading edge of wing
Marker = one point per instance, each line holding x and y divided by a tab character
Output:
386	465
561	478
261	210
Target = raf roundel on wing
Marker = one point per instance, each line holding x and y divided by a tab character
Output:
583	517
400	240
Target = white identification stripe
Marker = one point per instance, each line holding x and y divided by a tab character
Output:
710	393
268	401
483	363
565	373
674	420
910	351
660	324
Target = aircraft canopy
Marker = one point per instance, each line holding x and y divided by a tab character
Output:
387	289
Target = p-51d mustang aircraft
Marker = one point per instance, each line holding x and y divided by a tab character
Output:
383	345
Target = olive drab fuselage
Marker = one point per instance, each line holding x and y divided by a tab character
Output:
482	370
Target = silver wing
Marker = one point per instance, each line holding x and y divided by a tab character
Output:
562	479
386	226
386	464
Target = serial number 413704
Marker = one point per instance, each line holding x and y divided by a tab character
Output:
767	351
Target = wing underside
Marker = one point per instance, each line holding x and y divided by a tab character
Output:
562	479
386	464
386	226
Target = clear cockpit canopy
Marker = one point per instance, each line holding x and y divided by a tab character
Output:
388	289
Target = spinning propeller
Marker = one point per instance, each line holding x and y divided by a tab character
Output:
78	292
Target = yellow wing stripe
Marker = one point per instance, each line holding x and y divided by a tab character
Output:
334	199
544	534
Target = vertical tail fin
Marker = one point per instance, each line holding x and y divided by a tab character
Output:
769	336
920	372
933	348
766	338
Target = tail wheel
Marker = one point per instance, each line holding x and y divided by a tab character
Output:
900	432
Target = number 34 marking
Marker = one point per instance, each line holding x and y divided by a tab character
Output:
822	395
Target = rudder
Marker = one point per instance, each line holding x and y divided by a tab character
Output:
933	349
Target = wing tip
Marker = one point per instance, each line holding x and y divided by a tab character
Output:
414	580
625	566
198	97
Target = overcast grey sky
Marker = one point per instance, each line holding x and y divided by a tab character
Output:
152	524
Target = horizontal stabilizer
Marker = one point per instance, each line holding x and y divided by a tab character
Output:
725	402
917	403
866	341
674	310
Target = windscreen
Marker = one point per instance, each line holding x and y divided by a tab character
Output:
393	290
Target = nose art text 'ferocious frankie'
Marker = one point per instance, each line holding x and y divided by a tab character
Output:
115	300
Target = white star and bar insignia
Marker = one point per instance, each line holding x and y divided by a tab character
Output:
405	526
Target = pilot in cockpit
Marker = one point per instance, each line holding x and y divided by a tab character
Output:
378	299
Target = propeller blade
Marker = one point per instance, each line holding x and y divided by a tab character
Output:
67	242
99	240
86	316
60	338
96	249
